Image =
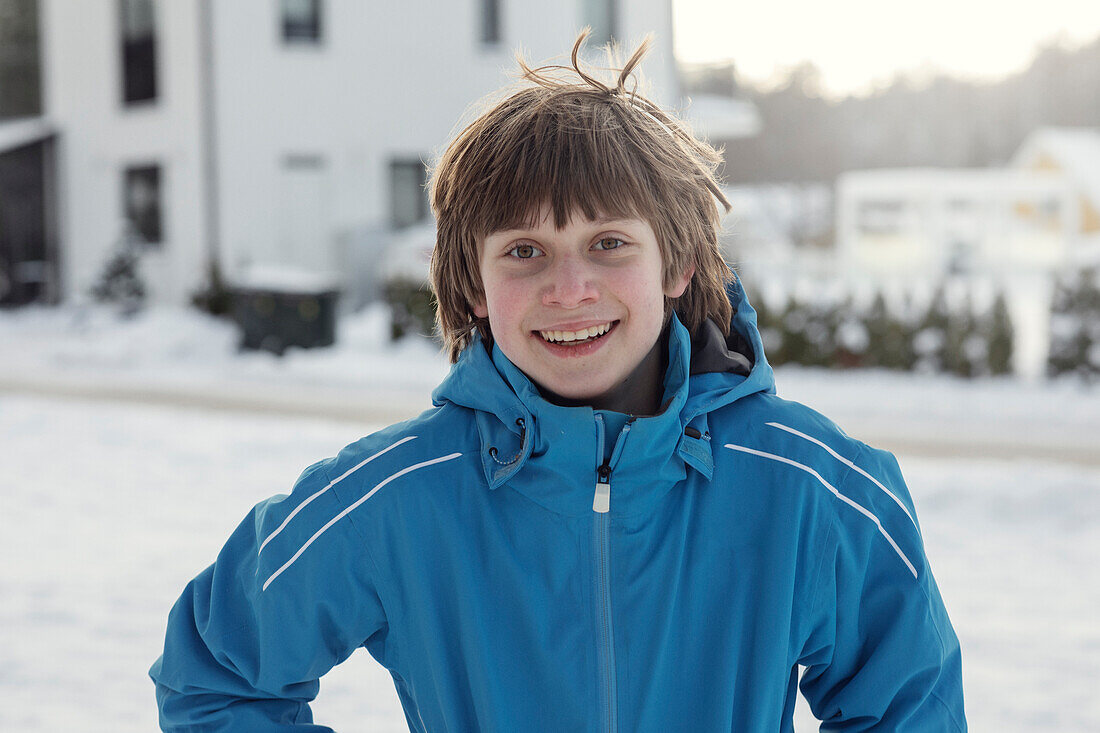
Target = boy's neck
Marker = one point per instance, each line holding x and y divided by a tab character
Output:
639	394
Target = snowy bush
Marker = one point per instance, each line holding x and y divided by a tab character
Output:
412	307
120	282
889	338
950	335
1000	340
1075	327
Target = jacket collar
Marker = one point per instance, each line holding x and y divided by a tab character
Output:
549	453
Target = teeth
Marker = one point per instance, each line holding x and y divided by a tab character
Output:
567	336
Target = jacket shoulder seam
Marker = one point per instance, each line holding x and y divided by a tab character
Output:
834	531
376	574
921	581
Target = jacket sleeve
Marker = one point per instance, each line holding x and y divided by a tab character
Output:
882	654
290	596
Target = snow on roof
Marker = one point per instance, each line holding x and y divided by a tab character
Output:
17	133
284	279
1076	150
721	118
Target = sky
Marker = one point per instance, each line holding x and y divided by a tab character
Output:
861	44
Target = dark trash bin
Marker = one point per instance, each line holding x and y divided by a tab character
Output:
273	318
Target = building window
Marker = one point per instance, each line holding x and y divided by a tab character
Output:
490	21
141	196
600	15
137	21
303	161
408	196
301	21
881	216
961	255
20	76
28	254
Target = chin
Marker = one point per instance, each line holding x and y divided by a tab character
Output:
567	392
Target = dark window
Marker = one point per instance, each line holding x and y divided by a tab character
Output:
142	200
301	21
409	199
600	15
28	257
137	20
20	76
303	161
490	21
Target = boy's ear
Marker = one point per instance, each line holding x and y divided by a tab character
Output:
680	283
480	310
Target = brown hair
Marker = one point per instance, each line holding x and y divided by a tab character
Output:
576	145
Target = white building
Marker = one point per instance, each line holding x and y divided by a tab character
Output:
932	222
260	132
1071	155
1008	229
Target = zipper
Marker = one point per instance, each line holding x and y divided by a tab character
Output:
601	500
601	537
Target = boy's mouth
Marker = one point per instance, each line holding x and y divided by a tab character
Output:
576	338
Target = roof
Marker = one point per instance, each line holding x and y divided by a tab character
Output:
17	133
1075	150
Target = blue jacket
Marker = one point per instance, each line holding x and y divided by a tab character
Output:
509	583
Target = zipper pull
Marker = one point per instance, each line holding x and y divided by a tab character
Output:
601	502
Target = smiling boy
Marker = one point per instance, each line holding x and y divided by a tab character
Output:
609	521
580	309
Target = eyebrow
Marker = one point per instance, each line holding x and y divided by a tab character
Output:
600	221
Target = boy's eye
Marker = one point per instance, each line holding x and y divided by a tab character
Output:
609	243
524	251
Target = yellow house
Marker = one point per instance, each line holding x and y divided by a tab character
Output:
1072	153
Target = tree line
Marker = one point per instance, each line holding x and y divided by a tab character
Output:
964	340
945	122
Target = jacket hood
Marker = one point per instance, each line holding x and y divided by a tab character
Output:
537	446
714	357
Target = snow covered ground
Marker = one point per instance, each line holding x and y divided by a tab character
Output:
111	506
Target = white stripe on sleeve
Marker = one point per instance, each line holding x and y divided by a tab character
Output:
345	512
835	493
848	463
332	483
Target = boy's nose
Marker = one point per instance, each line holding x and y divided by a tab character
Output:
570	284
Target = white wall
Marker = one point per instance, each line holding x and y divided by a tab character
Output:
931	220
388	80
100	137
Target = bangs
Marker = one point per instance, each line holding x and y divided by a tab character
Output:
574	156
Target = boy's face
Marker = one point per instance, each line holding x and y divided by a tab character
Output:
579	310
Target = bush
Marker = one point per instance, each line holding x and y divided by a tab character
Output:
889	339
942	339
120	282
930	340
214	298
412	308
1075	327
1000	338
